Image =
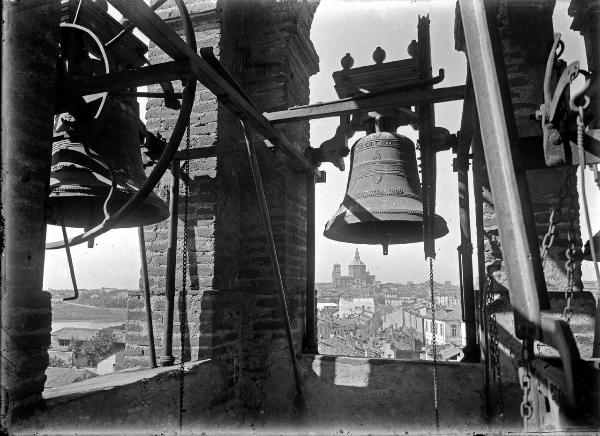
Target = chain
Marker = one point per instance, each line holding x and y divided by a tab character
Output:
570	267
494	349
434	345
554	218
184	267
526	408
570	254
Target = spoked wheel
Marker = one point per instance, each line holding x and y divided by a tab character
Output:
98	83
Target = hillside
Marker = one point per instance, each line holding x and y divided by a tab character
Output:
68	311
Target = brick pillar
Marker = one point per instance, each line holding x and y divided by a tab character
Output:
233	309
206	201
29	52
279	61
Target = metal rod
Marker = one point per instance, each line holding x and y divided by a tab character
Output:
147	306
478	177
310	340
149	94
503	181
70	262
167	354
428	155
272	249
466	257
129	27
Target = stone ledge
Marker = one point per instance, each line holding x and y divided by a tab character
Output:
62	394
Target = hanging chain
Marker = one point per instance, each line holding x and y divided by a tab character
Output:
570	254
183	310
526	408
434	346
493	342
555	217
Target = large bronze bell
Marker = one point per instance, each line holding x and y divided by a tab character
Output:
382	204
83	160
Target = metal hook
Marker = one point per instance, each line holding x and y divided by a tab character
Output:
576	95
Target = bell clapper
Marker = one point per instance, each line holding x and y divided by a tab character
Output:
385	248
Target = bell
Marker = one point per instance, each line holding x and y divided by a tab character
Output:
382	204
587	250
82	163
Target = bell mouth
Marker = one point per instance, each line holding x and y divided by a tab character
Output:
381	230
87	212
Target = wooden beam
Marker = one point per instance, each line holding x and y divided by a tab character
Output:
120	80
164	37
367	103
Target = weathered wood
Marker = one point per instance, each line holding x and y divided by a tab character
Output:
367	103
120	80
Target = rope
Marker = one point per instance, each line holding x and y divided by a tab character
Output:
583	192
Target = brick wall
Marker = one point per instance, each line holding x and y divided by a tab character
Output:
233	311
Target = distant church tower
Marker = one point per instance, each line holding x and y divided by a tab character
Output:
337	272
357	268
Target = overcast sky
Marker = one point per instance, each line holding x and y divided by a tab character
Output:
342	26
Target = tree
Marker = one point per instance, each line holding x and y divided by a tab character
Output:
58	362
98	346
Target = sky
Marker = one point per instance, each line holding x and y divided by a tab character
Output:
339	27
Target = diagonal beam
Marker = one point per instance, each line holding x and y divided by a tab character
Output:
120	80
142	16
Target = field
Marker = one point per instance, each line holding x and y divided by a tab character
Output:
65	311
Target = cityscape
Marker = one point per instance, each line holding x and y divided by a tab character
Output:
360	316
357	316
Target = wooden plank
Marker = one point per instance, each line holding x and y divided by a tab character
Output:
119	80
367	103
158	31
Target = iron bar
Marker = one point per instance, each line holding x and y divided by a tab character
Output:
516	248
428	156
478	181
122	80
129	27
310	340
147	305
71	269
149	94
167	354
272	249
466	252
367	102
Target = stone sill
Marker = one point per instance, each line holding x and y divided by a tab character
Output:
376	361
66	393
